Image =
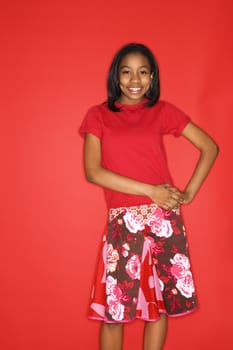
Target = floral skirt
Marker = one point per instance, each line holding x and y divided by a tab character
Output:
143	268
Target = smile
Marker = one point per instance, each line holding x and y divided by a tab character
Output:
135	89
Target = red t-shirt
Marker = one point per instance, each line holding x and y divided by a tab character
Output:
131	143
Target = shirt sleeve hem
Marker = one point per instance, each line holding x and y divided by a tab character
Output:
83	132
182	126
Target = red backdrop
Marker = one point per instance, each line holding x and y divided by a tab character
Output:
54	60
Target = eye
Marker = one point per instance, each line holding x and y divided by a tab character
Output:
144	72
125	72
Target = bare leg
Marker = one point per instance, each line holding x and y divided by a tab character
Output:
155	334
111	336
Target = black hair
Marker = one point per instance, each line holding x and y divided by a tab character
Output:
113	85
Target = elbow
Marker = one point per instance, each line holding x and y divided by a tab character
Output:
91	175
212	148
215	149
210	151
90	179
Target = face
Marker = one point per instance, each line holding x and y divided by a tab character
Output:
134	77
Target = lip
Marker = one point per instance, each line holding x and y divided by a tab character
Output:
135	89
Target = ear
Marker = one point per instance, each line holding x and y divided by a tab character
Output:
152	75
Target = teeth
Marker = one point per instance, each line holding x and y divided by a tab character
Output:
135	89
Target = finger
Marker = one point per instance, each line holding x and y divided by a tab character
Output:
174	190
174	195
172	203
177	196
171	207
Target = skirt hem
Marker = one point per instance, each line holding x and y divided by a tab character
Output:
93	318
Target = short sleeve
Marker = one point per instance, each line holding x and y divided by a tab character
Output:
173	120
92	123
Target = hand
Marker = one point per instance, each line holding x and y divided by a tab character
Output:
166	196
187	197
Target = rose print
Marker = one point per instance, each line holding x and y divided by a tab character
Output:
114	295
186	285
110	282
178	270
132	222
125	250
116	292
133	267
181	259
156	247
116	309
158	225
112	258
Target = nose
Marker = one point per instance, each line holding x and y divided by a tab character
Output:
135	77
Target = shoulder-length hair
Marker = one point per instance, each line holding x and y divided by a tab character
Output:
113	84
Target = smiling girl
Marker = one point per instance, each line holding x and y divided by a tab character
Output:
144	269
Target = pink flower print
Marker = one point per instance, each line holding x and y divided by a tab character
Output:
112	289
158	225
180	269
116	292
185	285
114	295
110	283
133	267
156	247
132	222
125	250
116	309
112	258
182	260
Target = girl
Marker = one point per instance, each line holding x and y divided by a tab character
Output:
144	269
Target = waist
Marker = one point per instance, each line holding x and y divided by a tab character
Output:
141	212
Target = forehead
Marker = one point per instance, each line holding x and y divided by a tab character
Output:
134	59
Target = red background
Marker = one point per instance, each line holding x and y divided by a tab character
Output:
54	61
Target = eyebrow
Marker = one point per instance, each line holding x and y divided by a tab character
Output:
125	66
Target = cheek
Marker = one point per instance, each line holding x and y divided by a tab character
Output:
123	81
121	86
147	85
146	82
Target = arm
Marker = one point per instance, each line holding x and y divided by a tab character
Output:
208	153
164	195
